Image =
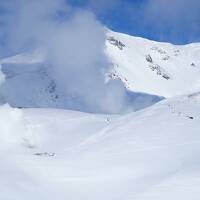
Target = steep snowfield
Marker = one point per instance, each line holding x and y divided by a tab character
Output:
152	67
64	154
56	154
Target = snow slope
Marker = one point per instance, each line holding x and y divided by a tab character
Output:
28	83
64	154
55	154
145	67
153	67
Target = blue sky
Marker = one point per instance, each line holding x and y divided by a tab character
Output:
176	21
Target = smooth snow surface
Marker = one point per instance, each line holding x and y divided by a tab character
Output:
150	154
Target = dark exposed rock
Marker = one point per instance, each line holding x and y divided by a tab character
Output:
159	71
190	117
116	43
45	154
176	52
149	58
162	51
51	87
166	76
165	58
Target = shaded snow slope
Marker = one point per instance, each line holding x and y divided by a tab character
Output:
53	154
29	82
153	67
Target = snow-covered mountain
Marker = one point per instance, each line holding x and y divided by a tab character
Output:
145	68
152	67
28	83
152	153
